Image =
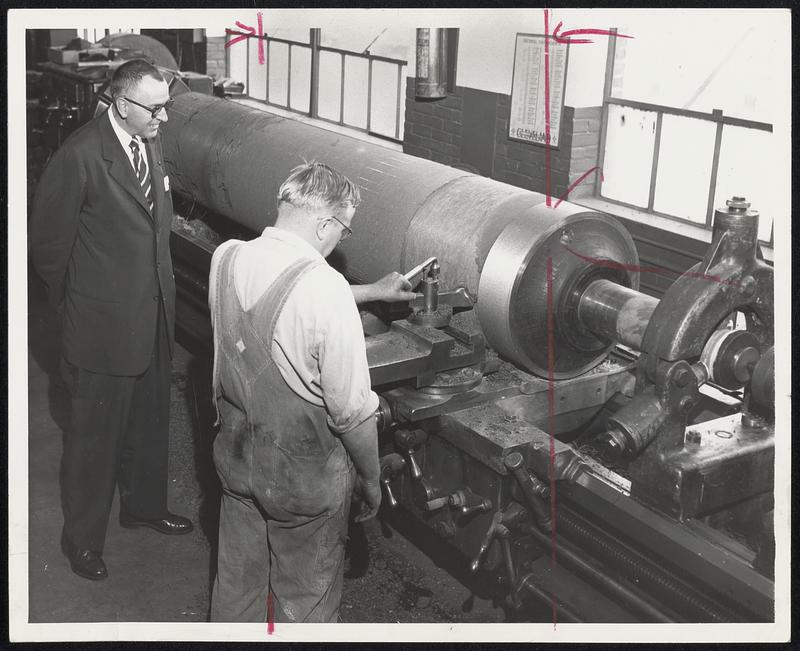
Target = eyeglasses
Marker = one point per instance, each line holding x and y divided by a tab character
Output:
346	230
154	110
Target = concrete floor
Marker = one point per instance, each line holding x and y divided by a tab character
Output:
167	579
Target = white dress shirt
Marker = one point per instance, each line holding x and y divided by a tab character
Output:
125	140
318	343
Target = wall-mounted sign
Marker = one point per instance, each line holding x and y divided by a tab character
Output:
528	121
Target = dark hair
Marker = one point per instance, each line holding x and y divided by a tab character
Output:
316	185
130	73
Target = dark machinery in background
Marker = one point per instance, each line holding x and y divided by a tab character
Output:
582	445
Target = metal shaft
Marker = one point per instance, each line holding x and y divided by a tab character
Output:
615	312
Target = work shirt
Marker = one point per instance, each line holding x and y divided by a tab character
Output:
318	345
125	140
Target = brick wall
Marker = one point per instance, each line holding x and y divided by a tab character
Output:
216	57
437	130
433	127
585	149
522	163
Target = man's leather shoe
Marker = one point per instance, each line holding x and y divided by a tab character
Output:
171	524
84	562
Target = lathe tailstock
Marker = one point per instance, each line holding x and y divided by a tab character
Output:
581	444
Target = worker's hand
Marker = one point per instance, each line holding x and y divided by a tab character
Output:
393	288
370	494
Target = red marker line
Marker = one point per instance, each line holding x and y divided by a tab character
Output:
563	38
661	271
578	182
241	36
249	31
270	614
551	415
260	39
547	111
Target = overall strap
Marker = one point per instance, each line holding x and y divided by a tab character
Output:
277	294
274	298
216	285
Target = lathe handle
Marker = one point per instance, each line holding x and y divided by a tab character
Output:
391	464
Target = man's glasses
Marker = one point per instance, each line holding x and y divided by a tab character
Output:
154	110
346	230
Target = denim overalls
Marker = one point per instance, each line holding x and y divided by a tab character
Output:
286	478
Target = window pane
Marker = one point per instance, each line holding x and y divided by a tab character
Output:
628	155
355	92
731	61
278	61
383	109
301	78
237	66
330	83
744	171
684	167
258	72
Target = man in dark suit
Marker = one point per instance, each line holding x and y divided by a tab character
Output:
99	231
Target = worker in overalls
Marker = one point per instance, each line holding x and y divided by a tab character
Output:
292	387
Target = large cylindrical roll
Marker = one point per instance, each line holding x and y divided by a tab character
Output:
490	236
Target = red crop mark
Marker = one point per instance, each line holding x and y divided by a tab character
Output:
578	182
564	38
250	31
270	614
551	415
661	271
547	109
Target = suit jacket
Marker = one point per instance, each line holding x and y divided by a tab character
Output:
103	256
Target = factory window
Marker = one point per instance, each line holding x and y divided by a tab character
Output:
683	133
360	90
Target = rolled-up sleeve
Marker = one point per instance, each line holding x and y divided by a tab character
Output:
342	359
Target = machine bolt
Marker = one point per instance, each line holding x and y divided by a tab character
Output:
686	403
751	420
694	437
737	204
682	377
513	461
748	286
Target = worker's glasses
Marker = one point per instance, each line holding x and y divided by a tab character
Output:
346	230
154	110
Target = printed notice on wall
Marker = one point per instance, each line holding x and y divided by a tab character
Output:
528	121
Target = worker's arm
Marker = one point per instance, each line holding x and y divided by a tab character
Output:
344	379
361	444
391	288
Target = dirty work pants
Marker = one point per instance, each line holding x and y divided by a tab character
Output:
301	560
286	479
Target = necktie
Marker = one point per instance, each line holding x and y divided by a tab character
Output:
141	173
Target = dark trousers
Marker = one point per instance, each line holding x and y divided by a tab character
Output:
119	435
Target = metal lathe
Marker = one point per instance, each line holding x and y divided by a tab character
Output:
578	443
